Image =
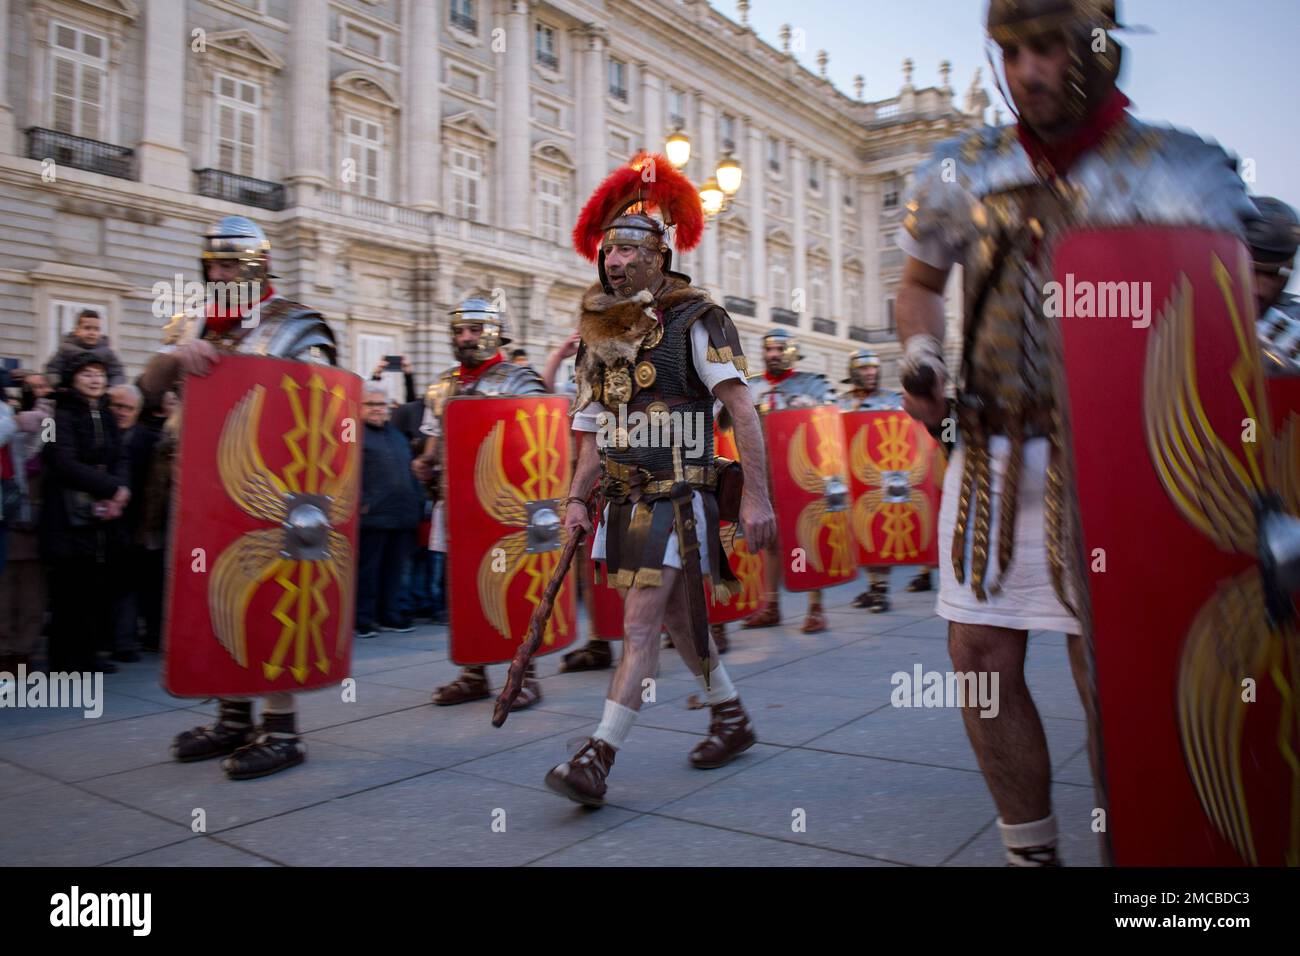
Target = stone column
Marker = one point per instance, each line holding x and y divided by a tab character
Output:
162	156
835	195
7	143
309	106
652	86
869	204
799	215
706	142
515	130
590	42
422	109
753	188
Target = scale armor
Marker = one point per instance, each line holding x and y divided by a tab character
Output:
1003	220
813	385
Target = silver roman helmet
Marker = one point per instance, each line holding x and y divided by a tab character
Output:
478	311
241	239
862	358
789	346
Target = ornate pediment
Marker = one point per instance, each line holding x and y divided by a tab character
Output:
245	46
470	124
370	88
549	151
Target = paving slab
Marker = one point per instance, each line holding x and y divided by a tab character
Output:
440	819
891	811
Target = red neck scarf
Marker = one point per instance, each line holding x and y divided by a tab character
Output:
779	377
1058	157
469	374
221	321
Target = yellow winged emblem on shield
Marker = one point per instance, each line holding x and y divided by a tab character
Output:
299	550
1217	490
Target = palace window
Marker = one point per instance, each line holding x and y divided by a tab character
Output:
78	80
727	131
466	185
618	79
890	199
363	149
550	208
464	16
237	113
544	46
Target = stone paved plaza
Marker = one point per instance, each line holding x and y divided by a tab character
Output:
392	780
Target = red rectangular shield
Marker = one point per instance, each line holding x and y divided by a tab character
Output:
1173	447
896	476
747	566
508	464
809	477
263	550
606	607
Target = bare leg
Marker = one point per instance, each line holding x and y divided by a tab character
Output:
678	622
1011	748
643	617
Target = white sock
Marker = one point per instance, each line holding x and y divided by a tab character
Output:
615	725
721	689
1022	836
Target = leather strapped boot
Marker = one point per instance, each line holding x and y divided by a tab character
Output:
730	735
582	777
233	729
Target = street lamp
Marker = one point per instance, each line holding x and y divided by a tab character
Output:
712	197
678	148
728	175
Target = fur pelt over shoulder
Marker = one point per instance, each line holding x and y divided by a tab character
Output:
613	327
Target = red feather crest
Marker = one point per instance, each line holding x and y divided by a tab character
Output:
652	184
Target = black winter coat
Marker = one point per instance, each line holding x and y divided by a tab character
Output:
86	462
391	499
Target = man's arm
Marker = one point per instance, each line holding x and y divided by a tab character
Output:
756	517
585	474
919	312
557	356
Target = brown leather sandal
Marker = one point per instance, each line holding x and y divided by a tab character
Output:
470	684
768	616
582	777
593	656
814	623
529	694
730	735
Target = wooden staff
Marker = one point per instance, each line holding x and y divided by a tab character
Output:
536	627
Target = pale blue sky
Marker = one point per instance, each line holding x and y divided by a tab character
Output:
1224	69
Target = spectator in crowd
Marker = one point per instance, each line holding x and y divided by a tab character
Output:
519	356
408	376
87	337
22	580
390	512
86	492
125	401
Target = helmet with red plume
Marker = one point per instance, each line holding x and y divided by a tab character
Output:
622	211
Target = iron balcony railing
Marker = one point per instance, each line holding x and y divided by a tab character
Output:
219	184
81	153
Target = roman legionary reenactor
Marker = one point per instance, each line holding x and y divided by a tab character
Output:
1076	189
866	395
478	335
1273	235
780	386
257	320
656	354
